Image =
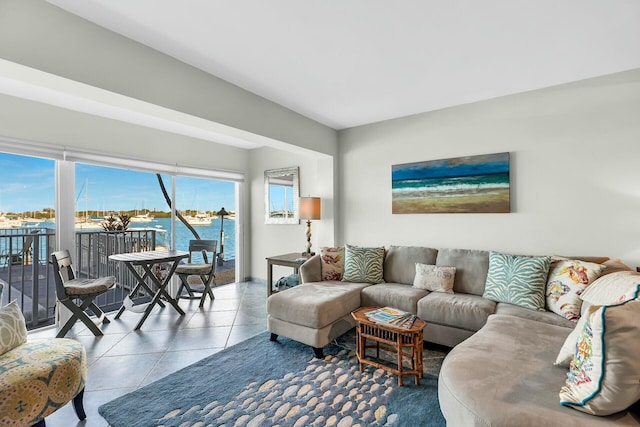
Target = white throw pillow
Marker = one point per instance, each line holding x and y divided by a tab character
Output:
613	288
434	278
604	377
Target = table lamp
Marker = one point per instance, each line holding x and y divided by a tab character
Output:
309	209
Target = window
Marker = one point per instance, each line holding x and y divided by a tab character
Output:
107	190
27	233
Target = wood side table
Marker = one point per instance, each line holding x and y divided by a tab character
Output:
392	339
293	260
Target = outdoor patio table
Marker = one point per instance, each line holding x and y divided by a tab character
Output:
147	260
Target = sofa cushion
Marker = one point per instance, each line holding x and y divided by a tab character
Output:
315	305
13	328
400	261
463	311
517	279
397	295
604	377
566	281
539	316
332	262
471	269
363	264
434	278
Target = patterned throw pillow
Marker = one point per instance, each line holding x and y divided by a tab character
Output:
518	280
612	289
363	265
565	355
434	278
332	263
13	328
567	279
605	370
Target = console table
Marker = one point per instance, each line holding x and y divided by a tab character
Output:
293	260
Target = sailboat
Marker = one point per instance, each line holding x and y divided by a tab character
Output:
147	217
201	218
86	223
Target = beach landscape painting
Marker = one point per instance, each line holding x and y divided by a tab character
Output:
472	184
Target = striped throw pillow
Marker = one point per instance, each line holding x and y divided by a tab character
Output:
518	280
363	265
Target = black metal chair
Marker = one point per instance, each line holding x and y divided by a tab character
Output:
78	294
206	270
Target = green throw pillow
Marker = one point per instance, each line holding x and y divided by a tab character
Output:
518	280
13	328
363	265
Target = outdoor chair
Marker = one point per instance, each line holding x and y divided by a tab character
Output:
5	257
206	270
24	256
78	294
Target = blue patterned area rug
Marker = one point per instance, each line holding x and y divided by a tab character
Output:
263	383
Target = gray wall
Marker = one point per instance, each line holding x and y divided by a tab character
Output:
575	180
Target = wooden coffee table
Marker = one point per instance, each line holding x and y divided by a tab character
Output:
405	343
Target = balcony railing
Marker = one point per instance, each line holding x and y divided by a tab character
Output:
27	275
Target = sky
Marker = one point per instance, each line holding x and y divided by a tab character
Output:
27	184
456	167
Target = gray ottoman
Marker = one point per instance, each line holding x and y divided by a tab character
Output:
313	313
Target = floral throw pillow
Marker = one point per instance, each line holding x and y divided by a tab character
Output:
567	279
605	370
332	263
626	290
434	278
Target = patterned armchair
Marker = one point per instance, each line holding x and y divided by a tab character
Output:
37	378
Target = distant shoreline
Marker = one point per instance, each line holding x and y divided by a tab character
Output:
489	201
43	216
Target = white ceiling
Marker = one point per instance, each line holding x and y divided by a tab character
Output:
350	62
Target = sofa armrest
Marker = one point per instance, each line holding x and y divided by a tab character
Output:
311	270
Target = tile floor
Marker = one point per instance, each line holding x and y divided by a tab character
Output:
123	360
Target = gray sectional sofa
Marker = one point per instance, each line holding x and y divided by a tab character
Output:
500	371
